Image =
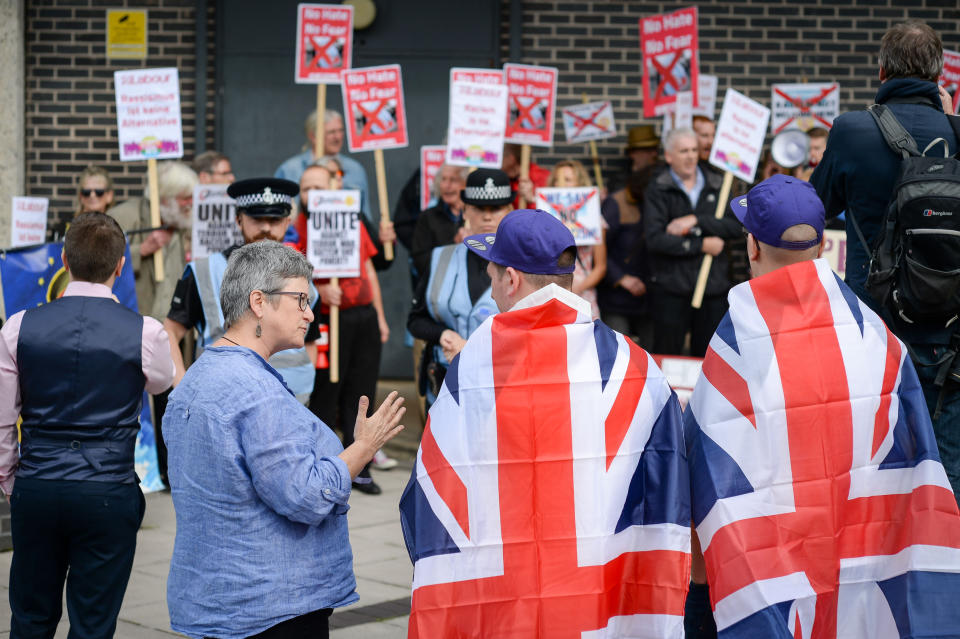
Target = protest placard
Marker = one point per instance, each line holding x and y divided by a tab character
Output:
950	77
804	106
475	131
476	76
706	96
333	233
835	250
28	222
579	210
589	121
431	159
740	133
681	373
148	114
373	108
215	226
531	104
324	42
680	115
670	59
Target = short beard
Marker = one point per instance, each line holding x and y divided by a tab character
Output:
172	215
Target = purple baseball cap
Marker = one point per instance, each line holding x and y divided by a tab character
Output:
529	240
776	204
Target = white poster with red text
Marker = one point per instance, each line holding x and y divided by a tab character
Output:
707	95
28	223
531	104
740	133
148	114
476	76
373	108
475	131
670	59
324	42
431	159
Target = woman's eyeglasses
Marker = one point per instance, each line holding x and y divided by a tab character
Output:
303	298
89	192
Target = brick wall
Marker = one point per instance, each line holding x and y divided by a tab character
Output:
747	44
71	116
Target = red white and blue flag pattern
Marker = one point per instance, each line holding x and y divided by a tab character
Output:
817	490
550	496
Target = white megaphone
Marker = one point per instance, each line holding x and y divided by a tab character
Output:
790	148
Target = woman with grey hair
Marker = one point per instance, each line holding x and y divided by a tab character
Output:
260	485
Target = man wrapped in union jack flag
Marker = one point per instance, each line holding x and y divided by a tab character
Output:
550	498
818	495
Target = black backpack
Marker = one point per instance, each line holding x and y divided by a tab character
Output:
915	259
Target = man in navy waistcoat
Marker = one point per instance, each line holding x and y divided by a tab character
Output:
75	370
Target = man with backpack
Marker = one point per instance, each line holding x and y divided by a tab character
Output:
913	238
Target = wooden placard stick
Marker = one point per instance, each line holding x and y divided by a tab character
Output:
382	196
708	259
524	170
154	186
333	335
597	174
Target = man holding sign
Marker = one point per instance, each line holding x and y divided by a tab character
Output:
680	228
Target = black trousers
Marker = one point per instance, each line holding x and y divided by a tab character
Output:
159	408
673	317
84	532
336	403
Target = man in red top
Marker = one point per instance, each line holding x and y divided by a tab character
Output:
363	329
523	187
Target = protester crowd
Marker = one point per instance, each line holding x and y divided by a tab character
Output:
245	330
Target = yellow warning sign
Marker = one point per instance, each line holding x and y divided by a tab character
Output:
127	34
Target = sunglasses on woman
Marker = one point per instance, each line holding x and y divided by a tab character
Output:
89	192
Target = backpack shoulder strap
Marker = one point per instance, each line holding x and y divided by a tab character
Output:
893	132
954	121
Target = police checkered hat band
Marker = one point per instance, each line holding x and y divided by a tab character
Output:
264	198
487	187
489	191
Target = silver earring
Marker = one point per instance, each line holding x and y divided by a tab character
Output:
259	331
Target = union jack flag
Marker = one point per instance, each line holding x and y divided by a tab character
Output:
550	496
817	490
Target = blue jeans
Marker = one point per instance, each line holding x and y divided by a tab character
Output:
946	427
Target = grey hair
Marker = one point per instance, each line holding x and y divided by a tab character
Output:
174	178
911	49
435	185
675	134
310	124
259	266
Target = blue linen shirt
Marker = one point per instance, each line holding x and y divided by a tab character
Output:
261	501
354	176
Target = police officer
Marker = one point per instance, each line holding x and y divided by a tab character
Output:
453	297
75	371
263	213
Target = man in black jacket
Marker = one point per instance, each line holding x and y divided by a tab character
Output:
857	175
680	227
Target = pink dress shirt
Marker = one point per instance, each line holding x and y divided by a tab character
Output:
156	362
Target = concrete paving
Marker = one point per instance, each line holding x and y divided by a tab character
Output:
381	564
